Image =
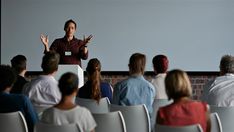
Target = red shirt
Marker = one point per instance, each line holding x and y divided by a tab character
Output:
70	52
184	113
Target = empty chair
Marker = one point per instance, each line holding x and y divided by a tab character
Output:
109	122
226	115
216	125
93	105
41	127
13	122
189	128
136	117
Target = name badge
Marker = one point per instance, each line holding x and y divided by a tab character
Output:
67	53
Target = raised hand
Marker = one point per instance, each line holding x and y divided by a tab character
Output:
45	41
87	40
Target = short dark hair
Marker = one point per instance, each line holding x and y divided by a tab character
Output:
160	63
50	62
227	64
68	22
19	63
68	83
137	63
7	77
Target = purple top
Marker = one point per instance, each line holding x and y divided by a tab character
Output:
70	52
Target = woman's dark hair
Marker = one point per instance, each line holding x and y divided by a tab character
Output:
68	22
94	75
68	83
160	63
7	77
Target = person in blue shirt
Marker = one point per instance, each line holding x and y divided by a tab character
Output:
95	88
135	90
14	102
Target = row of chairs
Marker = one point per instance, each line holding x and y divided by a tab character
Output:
122	115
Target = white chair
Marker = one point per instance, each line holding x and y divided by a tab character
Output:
42	127
39	110
226	115
136	117
189	128
109	122
93	106
216	125
13	122
156	105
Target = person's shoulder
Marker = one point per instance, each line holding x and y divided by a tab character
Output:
19	98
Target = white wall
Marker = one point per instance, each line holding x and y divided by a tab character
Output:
194	34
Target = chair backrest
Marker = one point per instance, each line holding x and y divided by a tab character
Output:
136	117
39	110
226	115
109	122
189	128
216	125
156	105
42	127
13	122
93	106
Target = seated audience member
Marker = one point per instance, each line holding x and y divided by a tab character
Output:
94	88
14	102
220	91
160	64
66	111
18	63
135	89
183	111
43	91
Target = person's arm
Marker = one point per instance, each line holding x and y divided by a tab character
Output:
208	127
30	114
45	42
83	52
158	119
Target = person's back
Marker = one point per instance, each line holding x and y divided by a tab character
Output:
43	91
220	91
160	65
15	102
18	63
66	111
95	88
135	89
183	111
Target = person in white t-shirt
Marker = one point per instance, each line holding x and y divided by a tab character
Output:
220	91
66	111
160	65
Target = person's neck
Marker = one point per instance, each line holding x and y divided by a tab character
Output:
136	74
66	103
22	73
51	74
69	38
182	99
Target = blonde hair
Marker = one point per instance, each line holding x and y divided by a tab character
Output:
177	84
